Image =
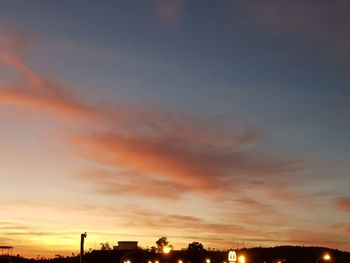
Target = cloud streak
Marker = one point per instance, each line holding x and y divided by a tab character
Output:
35	91
176	163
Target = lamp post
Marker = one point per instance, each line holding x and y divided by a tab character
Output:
82	238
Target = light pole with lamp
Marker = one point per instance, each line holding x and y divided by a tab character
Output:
82	238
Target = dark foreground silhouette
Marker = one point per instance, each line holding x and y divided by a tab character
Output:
282	254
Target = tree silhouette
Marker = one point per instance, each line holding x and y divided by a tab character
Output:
163	242
105	246
195	246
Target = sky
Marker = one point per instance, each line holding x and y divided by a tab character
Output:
223	122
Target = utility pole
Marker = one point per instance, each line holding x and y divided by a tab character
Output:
82	237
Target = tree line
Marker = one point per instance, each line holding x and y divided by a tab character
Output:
162	243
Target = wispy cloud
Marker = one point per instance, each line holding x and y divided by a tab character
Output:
4	225
176	163
43	102
319	25
35	91
199	227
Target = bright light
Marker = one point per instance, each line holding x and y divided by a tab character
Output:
156	261
128	261
241	259
166	250
327	257
149	261
180	261
207	260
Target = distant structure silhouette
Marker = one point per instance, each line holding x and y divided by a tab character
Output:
126	245
6	250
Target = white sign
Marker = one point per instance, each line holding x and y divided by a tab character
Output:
232	257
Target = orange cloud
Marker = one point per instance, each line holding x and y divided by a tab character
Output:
57	105
176	163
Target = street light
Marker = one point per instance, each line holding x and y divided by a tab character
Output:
166	250
241	259
326	257
123	258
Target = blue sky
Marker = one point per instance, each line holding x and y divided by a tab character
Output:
148	92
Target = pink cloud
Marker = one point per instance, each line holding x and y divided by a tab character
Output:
343	204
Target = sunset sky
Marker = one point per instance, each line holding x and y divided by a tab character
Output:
219	121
